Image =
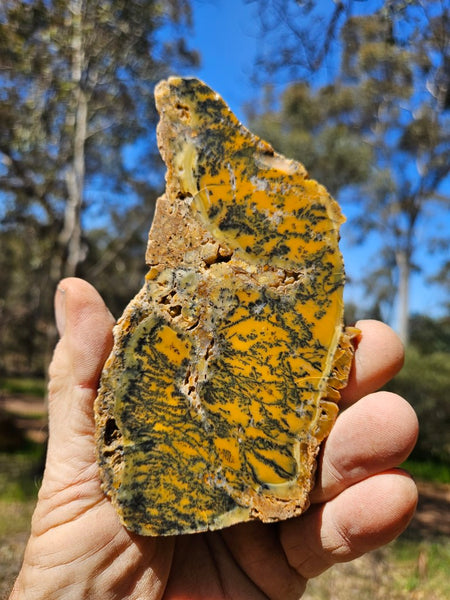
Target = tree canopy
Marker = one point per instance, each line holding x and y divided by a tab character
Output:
377	121
77	140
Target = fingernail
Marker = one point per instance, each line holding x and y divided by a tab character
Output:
60	310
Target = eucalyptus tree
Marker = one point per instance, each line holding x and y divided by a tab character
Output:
77	125
374	114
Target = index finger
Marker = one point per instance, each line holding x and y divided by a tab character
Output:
379	356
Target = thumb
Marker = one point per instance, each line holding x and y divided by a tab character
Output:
78	547
85	325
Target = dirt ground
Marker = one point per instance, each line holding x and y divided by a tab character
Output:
432	517
28	416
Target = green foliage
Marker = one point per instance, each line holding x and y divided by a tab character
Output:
115	263
442	278
23	385
379	125
428	470
311	127
21	474
25	296
76	95
430	335
424	381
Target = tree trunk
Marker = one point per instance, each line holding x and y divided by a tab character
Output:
75	183
404	269
69	251
70	236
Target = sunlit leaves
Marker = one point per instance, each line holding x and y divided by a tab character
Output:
76	86
376	117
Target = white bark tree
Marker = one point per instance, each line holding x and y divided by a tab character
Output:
390	86
76	93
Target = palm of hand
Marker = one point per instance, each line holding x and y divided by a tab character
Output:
78	548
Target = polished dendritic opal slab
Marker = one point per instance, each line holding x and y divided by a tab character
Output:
227	365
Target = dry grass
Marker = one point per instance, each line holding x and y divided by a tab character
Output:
15	520
404	570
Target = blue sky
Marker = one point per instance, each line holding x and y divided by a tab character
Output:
225	33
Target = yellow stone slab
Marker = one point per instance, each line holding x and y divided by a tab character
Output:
226	366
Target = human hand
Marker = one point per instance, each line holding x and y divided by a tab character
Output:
78	548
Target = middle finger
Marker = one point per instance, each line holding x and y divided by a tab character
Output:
374	435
